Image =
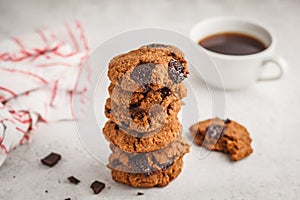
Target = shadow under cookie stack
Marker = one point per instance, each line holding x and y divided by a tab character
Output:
144	131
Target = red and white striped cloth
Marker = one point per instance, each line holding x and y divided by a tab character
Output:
37	76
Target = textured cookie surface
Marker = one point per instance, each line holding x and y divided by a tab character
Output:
114	134
145	100
155	179
226	136
149	67
172	49
148	162
137	120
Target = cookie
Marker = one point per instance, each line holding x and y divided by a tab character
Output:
130	143
147	68
226	136
147	99
172	49
146	180
136	120
147	162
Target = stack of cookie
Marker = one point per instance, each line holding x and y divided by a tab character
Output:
143	129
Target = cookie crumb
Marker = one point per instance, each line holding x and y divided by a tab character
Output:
46	191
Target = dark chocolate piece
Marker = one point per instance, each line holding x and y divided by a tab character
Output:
176	71
165	92
140	193
51	160
108	111
134	105
215	131
97	187
165	166
125	124
157	45
138	114
139	163
142	73
227	121
73	180
115	163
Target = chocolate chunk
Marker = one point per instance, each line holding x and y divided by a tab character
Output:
147	87
51	160
68	199
138	114
46	191
97	187
125	124
165	166
140	163
215	131
117	127
139	135
134	105
165	92
147	174
108	111
142	73
73	180
115	163
140	193
176	71
157	45
227	121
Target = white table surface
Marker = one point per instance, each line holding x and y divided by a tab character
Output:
270	110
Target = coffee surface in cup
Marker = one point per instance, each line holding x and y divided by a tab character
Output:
232	44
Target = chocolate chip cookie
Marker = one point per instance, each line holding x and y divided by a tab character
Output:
146	100
172	49
145	180
226	136
141	119
149	67
130	143
147	162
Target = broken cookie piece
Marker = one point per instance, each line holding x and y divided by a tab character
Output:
223	135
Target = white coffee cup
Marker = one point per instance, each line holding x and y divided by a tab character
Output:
239	71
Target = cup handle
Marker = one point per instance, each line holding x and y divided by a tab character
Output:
280	63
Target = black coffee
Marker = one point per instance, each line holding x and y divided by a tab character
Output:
233	44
